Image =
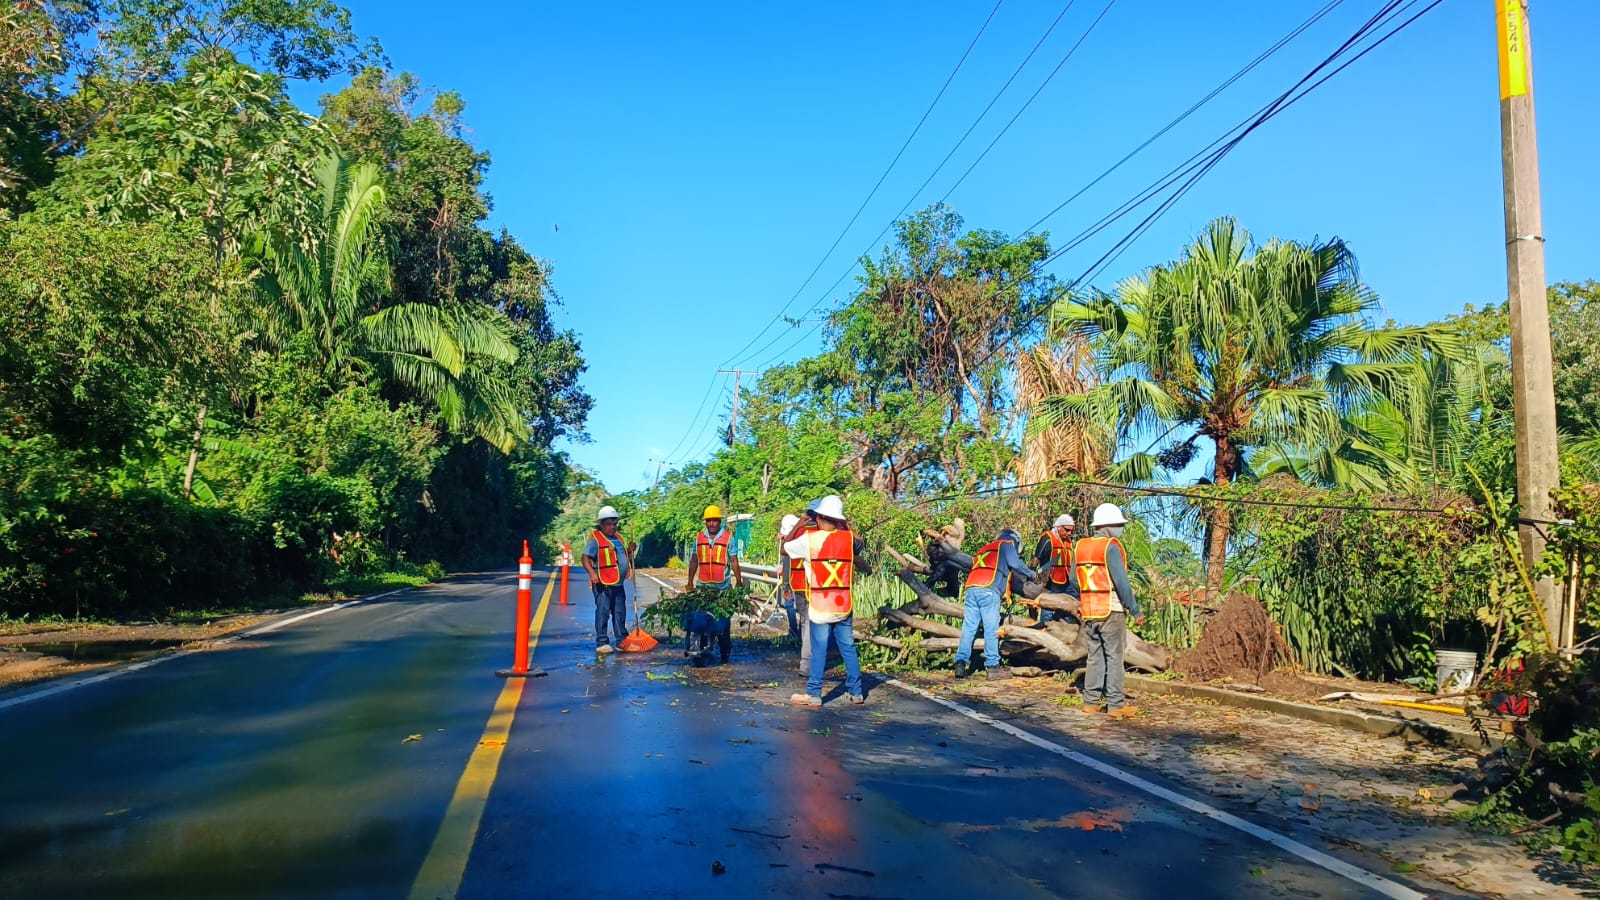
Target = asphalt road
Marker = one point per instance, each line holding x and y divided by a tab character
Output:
279	766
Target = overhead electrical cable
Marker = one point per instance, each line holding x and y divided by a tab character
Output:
1179	119
870	194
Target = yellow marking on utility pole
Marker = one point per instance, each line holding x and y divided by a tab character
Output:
446	863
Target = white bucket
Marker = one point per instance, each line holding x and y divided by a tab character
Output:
1456	670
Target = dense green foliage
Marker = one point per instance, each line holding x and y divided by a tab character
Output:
246	349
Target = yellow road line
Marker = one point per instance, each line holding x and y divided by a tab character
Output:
446	864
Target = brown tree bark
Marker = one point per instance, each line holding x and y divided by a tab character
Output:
1222	475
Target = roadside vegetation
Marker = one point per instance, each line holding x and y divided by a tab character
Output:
248	351
1270	434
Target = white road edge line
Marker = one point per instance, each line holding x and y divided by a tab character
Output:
1384	886
65	686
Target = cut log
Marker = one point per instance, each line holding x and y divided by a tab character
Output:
908	562
927	602
928	626
1061	642
940	550
939	644
1045	641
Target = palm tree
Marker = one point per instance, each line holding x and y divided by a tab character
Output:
334	288
1247	349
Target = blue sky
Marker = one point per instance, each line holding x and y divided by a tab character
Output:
685	166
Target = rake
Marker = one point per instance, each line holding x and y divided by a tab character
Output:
638	640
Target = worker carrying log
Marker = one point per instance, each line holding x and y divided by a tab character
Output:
989	577
1105	601
715	564
833	556
1053	558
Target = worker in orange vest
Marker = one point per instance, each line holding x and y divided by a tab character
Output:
833	556
791	575
987	580
792	584
1053	558
1105	602
608	564
715	564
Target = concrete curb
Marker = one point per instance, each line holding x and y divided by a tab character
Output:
1369	723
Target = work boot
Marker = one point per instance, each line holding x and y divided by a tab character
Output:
1091	708
999	673
962	669
603	648
858	699
811	700
1124	712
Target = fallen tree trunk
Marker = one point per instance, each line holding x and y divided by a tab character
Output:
943	644
908	562
1062	642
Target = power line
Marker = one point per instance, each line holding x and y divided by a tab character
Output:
1388	13
872	193
694	422
1031	98
1260	58
939	168
1178	120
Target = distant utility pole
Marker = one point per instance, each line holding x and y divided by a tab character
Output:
657	482
1532	363
733	424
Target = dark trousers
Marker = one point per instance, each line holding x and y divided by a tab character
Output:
1108	642
700	622
610	605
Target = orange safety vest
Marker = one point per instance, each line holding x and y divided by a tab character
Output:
985	566
832	572
605	561
1059	558
1095	588
797	570
713	556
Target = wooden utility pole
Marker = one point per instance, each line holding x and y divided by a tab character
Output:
1532	363
733	424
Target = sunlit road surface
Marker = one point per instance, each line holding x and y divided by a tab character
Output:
372	752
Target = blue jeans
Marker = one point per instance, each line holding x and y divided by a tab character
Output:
982	603
846	640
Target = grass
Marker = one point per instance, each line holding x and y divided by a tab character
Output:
337	590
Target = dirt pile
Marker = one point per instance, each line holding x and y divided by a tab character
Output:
1240	642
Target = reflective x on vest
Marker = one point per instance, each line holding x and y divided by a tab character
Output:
1095	588
713	556
605	561
832	573
985	566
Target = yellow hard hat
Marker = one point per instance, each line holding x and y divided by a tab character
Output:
713	512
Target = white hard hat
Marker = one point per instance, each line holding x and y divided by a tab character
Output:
788	524
831	507
1063	521
1107	514
606	512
